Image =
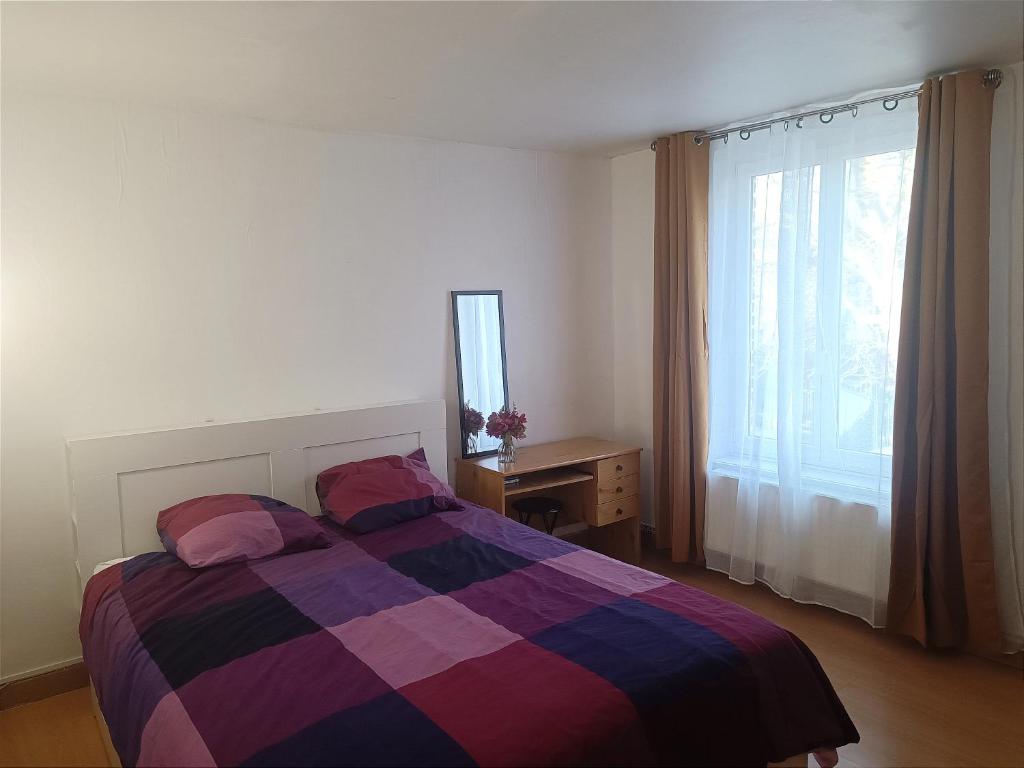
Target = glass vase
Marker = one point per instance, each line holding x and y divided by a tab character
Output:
507	450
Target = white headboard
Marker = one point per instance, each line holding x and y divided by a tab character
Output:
119	482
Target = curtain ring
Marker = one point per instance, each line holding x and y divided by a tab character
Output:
854	110
886	102
799	122
698	140
823	115
725	139
785	126
744	134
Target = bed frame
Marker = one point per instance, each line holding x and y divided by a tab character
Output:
119	482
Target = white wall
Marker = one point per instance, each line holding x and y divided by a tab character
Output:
161	267
633	303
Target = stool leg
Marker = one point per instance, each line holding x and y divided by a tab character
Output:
550	518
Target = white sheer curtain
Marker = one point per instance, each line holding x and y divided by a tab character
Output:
807	240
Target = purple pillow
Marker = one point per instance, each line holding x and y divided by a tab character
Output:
230	527
366	495
420	457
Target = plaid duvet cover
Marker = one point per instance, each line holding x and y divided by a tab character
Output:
461	638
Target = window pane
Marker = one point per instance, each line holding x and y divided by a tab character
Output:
796	236
876	203
764	324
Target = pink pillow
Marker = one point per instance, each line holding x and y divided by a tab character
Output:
230	527
377	493
419	456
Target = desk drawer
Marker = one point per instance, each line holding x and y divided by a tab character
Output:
617	488
613	511
618	466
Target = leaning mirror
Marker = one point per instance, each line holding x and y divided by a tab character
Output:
480	366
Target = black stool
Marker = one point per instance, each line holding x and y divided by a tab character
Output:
547	508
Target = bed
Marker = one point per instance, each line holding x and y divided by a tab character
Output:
460	638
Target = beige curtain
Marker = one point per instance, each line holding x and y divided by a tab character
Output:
942	580
680	344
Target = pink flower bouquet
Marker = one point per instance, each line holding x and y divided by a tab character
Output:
507	422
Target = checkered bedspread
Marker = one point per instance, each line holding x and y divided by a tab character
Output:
461	638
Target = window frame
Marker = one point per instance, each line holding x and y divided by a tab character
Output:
825	464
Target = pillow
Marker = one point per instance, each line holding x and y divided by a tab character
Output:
230	527
420	457
364	496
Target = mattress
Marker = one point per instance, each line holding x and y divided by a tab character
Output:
108	563
461	638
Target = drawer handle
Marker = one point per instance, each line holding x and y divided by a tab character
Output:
618	467
618	489
618	511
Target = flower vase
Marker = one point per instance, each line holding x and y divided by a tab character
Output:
507	450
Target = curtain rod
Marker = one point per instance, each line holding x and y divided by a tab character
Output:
992	78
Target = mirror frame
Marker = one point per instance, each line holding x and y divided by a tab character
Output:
458	363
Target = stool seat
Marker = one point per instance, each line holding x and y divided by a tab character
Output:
544	506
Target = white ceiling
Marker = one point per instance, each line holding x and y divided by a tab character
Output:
576	76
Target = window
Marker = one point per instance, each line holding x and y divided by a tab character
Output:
807	235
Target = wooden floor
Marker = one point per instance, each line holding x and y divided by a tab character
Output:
913	708
53	732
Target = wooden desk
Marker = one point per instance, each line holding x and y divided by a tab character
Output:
598	481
